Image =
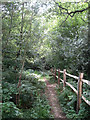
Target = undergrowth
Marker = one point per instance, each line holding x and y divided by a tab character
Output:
32	102
68	102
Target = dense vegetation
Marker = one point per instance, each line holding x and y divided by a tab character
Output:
68	100
32	102
36	36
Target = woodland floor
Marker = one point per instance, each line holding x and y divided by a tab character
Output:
51	95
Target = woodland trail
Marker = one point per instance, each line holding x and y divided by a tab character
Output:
51	95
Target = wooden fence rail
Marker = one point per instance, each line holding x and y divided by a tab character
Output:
79	85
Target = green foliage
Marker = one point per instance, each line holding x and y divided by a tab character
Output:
40	109
9	91
31	90
44	37
10	74
67	99
9	110
51	80
36	27
28	93
82	115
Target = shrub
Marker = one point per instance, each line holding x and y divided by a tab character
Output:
9	110
68	100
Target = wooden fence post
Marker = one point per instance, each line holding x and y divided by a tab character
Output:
64	77
55	73
79	89
58	76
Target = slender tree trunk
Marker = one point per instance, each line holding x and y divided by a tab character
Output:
23	59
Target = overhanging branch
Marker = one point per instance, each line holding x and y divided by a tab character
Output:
78	11
72	13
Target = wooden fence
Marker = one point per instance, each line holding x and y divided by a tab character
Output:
79	85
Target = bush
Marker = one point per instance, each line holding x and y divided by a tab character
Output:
32	102
40	109
9	110
9	91
68	101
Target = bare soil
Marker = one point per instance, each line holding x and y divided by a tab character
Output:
51	95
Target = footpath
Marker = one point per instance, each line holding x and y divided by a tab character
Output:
51	95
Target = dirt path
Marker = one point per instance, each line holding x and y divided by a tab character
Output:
53	101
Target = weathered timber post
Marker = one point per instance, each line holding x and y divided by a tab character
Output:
79	89
58	76
64	78
55	73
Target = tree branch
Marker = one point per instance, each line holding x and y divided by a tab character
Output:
83	20
64	20
72	13
78	11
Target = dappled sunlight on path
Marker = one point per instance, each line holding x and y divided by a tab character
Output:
53	101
